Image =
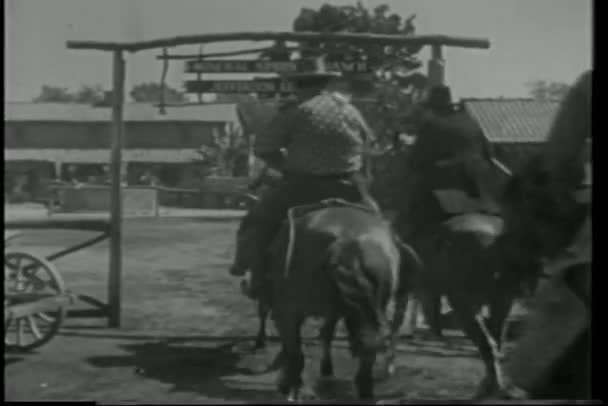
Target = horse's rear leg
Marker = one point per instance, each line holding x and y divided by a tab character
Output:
263	310
328	331
364	380
364	342
290	377
431	309
500	306
466	313
399	315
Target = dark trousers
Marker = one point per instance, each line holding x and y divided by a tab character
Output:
268	215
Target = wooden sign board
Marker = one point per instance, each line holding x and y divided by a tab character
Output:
252	66
269	86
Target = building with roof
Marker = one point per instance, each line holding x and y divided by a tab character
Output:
515	129
42	140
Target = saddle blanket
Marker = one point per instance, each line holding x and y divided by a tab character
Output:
454	201
298	211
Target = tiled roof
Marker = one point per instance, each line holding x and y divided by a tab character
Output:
18	111
512	120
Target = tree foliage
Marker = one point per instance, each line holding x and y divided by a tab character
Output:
544	90
90	94
358	19
53	94
222	157
151	92
86	94
395	83
95	94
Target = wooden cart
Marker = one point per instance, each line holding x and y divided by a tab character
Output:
36	300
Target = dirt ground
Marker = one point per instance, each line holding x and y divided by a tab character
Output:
185	327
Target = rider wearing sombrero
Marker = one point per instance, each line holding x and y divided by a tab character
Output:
318	144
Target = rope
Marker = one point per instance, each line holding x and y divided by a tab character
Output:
291	242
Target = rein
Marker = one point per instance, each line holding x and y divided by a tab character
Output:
291	241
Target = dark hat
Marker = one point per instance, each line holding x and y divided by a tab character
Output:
439	98
310	69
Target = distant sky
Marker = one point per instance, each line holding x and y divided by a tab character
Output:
531	39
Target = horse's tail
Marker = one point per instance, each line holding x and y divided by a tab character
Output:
410	268
359	298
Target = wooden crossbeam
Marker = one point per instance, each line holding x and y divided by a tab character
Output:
366	38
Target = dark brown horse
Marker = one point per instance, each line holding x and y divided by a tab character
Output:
344	263
464	261
547	207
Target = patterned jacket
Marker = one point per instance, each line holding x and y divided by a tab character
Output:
324	135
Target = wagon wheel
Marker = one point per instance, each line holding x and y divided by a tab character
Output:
26	278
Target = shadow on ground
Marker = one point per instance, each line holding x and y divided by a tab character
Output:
8	360
223	371
209	371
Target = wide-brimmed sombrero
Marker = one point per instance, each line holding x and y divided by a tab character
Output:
310	69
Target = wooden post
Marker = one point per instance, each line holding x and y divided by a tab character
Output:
114	290
436	67
58	165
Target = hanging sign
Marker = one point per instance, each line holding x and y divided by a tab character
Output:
239	86
253	66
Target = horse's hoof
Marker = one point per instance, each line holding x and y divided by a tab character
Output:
258	345
366	397
305	395
487	388
284	388
381	375
517	394
327	370
237	271
387	402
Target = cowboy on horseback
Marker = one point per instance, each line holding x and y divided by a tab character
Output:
318	144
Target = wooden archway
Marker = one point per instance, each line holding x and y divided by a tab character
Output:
436	75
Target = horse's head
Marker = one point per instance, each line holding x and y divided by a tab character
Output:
539	204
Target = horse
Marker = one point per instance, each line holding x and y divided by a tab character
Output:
338	261
464	252
544	210
464	261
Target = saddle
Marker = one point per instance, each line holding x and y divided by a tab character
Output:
299	211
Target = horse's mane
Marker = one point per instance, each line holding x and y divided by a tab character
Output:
559	163
542	189
571	126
